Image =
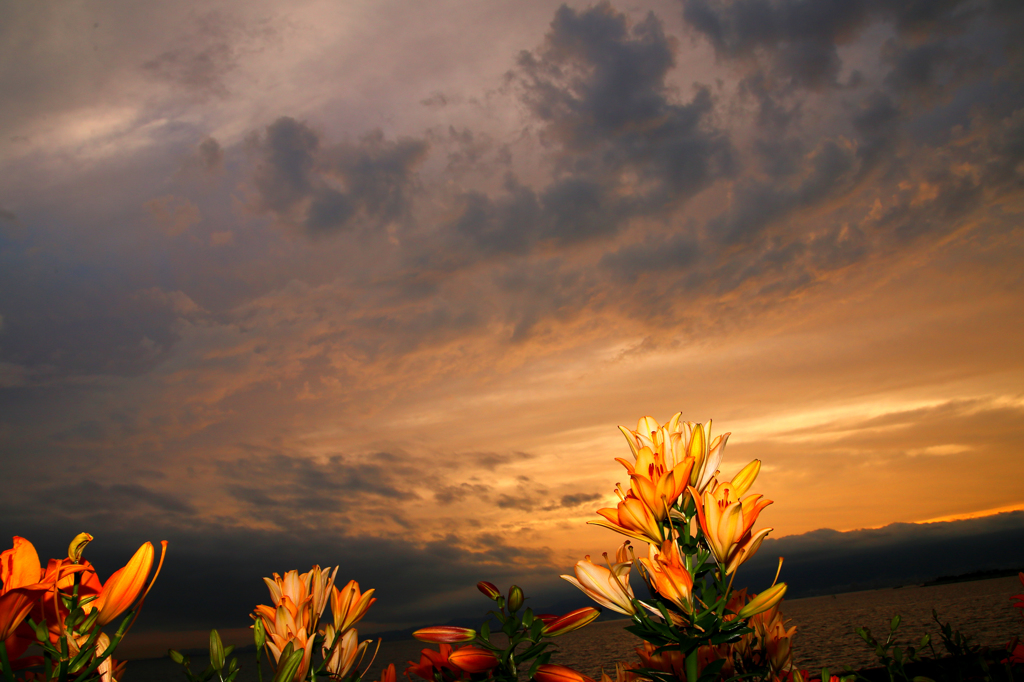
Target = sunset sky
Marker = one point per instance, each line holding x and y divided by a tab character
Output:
373	282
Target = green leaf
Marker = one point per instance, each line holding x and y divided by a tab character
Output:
826	674
485	630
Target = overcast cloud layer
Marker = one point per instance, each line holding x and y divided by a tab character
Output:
374	283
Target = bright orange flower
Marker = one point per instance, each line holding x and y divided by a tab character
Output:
633	519
123	587
727	523
559	673
473	659
669	576
672	662
659	488
676	441
342	658
23	585
308	592
389	674
608	587
349	605
435	663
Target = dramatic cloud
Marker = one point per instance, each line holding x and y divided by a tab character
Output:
354	285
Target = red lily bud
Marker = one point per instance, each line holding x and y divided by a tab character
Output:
574	620
445	634
473	659
389	674
558	673
490	590
515	598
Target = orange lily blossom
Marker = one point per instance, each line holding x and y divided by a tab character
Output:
349	605
727	524
609	587
342	658
434	664
308	592
678	440
126	584
23	585
632	518
669	576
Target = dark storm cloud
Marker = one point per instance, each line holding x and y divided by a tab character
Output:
102	499
799	38
599	85
573	500
88	325
653	255
457	493
327	188
826	561
622	146
293	491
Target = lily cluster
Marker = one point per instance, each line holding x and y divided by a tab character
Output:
524	645
63	610
289	629
699	530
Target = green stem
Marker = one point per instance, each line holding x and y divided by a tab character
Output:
8	671
691	666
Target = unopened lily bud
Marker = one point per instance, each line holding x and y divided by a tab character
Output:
445	634
77	546
473	659
490	590
259	634
742	481
515	598
764	601
216	651
550	672
574	620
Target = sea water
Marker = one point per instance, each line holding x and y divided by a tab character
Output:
825	627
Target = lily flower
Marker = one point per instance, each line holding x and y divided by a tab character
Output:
574	620
349	605
676	441
669	576
473	659
434	664
632	518
609	587
123	587
342	657
727	524
23	585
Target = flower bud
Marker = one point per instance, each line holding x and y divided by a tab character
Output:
77	546
515	598
445	634
574	620
216	651
259	633
488	589
473	659
550	672
764	601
